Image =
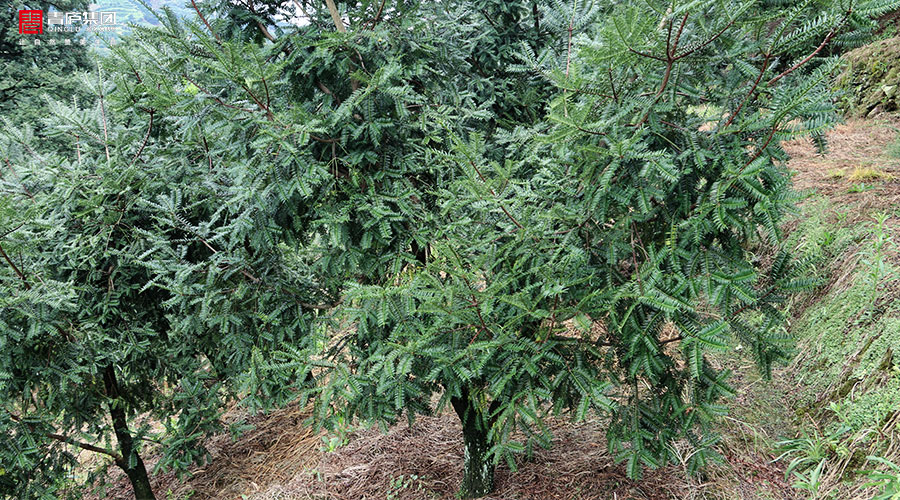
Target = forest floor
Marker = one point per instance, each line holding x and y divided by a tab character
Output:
841	388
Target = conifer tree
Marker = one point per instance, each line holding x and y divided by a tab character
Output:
514	223
597	266
29	71
231	204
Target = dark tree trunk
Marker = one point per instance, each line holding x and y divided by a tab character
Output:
478	469
137	474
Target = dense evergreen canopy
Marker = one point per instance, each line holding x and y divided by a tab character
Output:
510	209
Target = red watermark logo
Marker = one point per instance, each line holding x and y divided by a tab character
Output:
31	22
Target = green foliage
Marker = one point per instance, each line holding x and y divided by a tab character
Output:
805	452
887	481
86	341
894	148
879	272
627	212
847	340
30	72
515	209
809	457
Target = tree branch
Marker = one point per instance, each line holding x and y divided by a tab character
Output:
68	440
14	268
85	446
335	16
202	18
143	144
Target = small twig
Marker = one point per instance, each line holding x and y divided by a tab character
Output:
85	446
612	85
202	18
644	54
266	87
477	310
322	307
103	115
750	94
569	50
15	268
323	88
68	440
259	103
671	48
300	6
637	269
704	44
589	92
143	144
208	156
378	14
220	101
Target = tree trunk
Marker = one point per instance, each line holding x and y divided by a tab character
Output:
478	469
137	474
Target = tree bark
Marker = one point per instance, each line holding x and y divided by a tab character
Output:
478	468
137	473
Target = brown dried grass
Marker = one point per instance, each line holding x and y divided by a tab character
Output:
854	147
278	448
577	466
857	151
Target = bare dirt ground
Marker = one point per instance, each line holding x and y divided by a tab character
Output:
282	459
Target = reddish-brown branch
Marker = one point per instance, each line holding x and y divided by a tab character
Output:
259	103
761	148
750	94
85	446
14	268
202	18
806	59
671	48
671	52
143	144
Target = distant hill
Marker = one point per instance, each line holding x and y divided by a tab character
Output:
132	12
